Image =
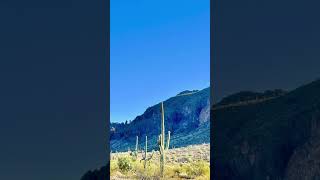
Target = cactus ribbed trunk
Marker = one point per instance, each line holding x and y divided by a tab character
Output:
137	141
162	137
145	153
168	141
162	124
161	141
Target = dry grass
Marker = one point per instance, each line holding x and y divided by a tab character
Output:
191	162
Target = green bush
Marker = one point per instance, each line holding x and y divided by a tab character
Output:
125	164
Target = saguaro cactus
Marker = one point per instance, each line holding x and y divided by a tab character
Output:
135	153
168	141
145	153
161	142
137	142
145	158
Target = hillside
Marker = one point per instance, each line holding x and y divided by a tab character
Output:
186	117
274	139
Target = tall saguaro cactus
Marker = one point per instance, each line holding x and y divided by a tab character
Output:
145	153
135	153
168	141
161	141
137	142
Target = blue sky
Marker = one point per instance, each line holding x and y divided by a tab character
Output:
157	49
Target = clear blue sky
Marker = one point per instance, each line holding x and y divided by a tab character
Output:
158	49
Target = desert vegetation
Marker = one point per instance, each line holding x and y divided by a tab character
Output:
191	162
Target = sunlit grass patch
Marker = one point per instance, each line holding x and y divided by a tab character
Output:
181	164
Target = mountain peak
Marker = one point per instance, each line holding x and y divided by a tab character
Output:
250	95
187	92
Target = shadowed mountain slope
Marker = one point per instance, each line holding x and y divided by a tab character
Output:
98	174
277	139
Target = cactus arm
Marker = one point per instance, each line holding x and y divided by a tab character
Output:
151	155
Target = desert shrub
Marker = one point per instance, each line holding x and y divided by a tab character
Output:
151	172
177	169
113	167
125	164
171	171
198	168
137	166
134	155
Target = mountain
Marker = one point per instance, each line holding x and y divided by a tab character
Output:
250	96
274	139
186	116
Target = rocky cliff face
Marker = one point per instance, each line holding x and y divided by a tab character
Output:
186	116
276	139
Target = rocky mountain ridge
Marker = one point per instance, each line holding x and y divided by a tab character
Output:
187	117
